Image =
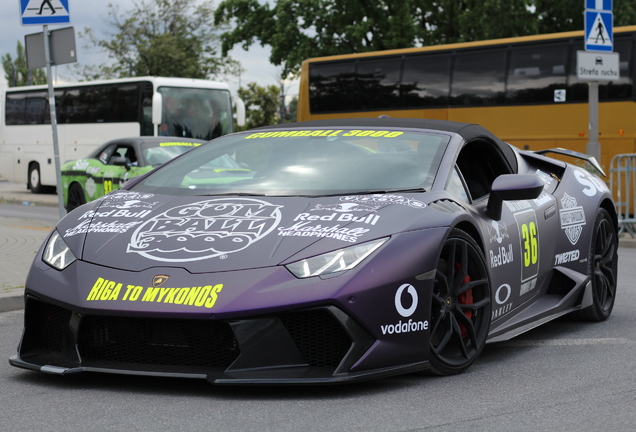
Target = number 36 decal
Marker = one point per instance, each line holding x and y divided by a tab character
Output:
529	236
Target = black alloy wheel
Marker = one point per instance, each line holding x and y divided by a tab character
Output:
460	307
75	197
602	270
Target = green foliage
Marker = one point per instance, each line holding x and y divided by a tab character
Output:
262	105
298	29
568	15
450	21
291	115
15	70
172	38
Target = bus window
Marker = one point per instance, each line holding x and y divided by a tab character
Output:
426	80
378	83
332	87
535	72
14	109
478	78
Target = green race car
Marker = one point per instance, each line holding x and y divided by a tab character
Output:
114	163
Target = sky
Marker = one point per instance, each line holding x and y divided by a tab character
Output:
90	13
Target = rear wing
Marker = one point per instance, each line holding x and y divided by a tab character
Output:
565	152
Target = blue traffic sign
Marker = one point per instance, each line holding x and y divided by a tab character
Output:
599	31
599	5
43	12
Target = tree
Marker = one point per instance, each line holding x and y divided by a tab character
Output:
298	29
173	38
567	15
451	21
262	105
292	110
15	70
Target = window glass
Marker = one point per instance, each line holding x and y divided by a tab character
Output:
309	162
332	87
478	78
15	109
535	72
426	80
195	113
378	84
456	186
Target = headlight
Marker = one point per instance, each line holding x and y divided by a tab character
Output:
56	253
336	261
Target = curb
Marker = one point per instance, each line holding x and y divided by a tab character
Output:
29	203
8	304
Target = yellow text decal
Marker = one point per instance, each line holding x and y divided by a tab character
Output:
326	133
199	296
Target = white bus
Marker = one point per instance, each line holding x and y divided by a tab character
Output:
91	113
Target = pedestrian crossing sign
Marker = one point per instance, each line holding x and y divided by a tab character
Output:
599	31
43	12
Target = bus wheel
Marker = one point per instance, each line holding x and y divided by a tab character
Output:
35	183
75	197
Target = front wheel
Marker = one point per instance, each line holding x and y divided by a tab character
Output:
460	307
602	269
75	197
35	180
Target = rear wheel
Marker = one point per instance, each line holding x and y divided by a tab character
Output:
460	307
75	197
35	180
603	268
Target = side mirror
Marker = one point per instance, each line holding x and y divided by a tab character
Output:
120	161
240	111
157	109
512	187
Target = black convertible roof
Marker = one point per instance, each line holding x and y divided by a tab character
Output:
468	131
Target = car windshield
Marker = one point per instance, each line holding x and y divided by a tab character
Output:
161	152
304	162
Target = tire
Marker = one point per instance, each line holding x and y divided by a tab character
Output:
460	306
35	180
602	269
75	197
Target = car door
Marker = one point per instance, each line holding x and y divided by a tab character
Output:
519	246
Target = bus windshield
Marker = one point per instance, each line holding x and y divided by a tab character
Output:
195	112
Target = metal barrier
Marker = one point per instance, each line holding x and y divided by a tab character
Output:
623	187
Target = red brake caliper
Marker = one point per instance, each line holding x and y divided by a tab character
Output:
465	298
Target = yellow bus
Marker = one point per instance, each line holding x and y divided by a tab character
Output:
523	89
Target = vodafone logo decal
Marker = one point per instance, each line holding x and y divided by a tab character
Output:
398	300
406	326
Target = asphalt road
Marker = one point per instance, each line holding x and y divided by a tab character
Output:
564	376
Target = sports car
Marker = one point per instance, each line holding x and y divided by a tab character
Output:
354	249
114	163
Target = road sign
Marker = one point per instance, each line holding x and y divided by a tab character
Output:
599	31
596	66
599	5
44	12
61	44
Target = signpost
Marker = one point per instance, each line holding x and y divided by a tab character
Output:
45	12
597	62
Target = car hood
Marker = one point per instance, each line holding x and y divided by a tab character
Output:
136	231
